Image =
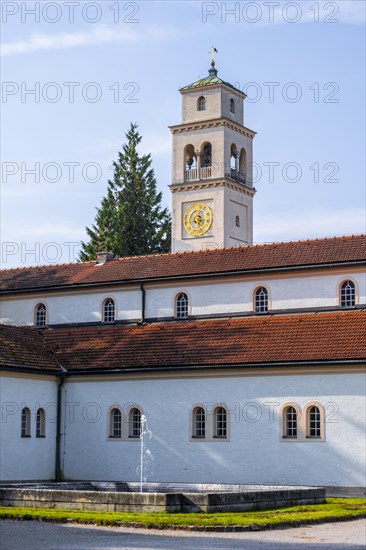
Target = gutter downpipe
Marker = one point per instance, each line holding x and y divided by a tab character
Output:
62	375
143	302
58	475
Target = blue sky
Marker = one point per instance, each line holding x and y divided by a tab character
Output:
309	51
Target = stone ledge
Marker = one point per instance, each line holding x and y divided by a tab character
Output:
107	501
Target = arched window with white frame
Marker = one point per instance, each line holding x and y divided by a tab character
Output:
261	300
108	311
26	422
201	103
41	423
220	422
115	423
181	306
134	422
347	294
40	315
313	422
289	419
199	423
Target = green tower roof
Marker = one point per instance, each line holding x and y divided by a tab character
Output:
209	80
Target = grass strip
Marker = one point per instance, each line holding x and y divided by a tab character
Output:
335	509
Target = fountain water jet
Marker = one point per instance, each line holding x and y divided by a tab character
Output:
144	431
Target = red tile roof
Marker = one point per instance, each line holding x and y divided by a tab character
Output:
257	340
24	348
248	340
247	258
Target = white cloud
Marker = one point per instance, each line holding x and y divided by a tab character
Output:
99	34
270	228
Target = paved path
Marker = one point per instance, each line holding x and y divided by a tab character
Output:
31	535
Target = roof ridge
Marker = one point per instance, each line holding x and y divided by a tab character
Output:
198	252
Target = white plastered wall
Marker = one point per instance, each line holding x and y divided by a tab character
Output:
27	458
207	298
254	453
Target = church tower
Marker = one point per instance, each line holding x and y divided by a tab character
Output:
212	189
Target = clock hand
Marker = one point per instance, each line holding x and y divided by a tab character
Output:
198	220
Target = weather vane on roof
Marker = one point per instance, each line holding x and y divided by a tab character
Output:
212	53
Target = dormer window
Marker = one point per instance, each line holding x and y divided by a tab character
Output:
40	316
232	106
108	311
348	294
181	306
201	104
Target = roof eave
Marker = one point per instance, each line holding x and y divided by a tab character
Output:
196	86
232	273
174	368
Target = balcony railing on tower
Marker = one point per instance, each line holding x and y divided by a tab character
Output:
209	172
236	175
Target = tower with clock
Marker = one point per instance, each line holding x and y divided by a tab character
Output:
212	181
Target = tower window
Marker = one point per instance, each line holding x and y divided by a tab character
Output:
181	306
108	311
232	106
40	315
206	159
237	221
348	294
201	104
261	300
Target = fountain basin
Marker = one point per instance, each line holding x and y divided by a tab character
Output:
186	498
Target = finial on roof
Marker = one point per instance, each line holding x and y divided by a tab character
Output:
212	71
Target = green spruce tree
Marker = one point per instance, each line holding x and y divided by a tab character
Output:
130	220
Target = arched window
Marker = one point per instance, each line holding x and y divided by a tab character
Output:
313	422
134	422
40	318
261	300
181	306
26	422
115	423
206	155
234	159
201	104
237	221
190	157
199	422
243	166
108	311
290	422
232	106
220	422
40	423
348	294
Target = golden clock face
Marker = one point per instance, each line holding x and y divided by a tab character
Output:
197	219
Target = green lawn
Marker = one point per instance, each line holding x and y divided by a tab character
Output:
335	509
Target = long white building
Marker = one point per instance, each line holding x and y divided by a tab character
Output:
247	361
